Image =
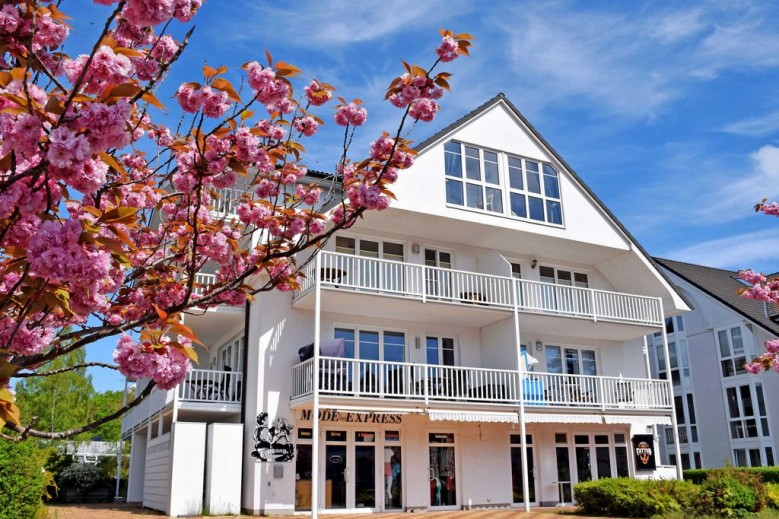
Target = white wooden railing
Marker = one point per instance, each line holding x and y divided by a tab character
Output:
210	385
372	275
226	201
425	382
202	282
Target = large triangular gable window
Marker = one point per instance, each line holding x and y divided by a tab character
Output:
495	182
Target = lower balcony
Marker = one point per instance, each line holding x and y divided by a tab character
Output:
423	384
204	394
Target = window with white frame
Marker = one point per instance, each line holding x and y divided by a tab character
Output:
747	411
571	361
732	351
491	181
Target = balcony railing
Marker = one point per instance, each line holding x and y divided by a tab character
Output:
208	385
371	275
202	282
227	201
425	383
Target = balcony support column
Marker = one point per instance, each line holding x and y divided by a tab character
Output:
667	355
315	376
520	382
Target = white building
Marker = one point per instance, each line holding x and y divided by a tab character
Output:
724	414
416	396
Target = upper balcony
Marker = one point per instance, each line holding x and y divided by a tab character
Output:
343	381
204	394
475	299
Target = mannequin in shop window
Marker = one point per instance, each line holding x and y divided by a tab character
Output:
388	454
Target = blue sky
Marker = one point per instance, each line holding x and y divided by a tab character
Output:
668	111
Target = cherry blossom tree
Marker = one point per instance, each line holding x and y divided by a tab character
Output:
767	290
107	216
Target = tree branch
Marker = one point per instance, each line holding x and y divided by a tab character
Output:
64	370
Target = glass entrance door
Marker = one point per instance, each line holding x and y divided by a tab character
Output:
518	495
443	483
364	469
336	468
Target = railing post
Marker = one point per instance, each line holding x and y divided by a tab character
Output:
602	393
592	302
425	384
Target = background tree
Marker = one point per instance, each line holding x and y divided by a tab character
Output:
107	216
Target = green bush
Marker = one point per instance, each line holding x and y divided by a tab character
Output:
22	481
769	474
772	495
81	477
625	497
731	492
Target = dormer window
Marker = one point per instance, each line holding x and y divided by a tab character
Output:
475	179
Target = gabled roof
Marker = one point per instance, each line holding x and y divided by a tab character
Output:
501	97
722	285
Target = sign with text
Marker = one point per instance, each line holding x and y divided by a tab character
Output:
644	451
334	415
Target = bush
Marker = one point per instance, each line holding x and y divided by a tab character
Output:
22	481
625	497
731	492
769	474
81	477
772	495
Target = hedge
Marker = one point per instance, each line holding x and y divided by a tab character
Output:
22	481
769	474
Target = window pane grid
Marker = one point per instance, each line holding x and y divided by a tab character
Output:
475	178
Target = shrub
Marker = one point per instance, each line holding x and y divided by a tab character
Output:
772	495
769	474
624	497
731	492
22	481
81	477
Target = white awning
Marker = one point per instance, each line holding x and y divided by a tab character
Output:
562	418
638	421
471	416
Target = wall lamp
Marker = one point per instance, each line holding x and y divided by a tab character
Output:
533	263
539	346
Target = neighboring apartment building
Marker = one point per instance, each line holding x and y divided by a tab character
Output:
423	319
724	414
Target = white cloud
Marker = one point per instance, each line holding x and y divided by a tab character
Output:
756	126
757	249
678	26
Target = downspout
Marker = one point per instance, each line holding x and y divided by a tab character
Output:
246	320
677	450
522	427
315	377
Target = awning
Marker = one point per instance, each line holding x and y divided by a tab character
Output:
471	416
638	421
562	418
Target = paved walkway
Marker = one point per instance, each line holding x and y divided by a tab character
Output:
133	511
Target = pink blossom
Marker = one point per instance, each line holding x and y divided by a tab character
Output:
447	51
316	94
276	133
145	13
753	368
66	148
20	134
306	125
284	106
771	209
423	109
184	10
9	19
215	102
254	214
269	90
133	363
26	338
164	49
145	68
107	126
751	277
368	196
189	99
171	369
350	114
267	189
381	148
106	69
87	176
772	346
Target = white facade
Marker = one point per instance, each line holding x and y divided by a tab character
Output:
424	318
724	414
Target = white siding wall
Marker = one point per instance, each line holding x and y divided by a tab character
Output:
157	476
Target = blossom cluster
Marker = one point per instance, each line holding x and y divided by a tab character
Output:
97	224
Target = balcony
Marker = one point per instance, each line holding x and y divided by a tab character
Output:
204	394
478	293
415	384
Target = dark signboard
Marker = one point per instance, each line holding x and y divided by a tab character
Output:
644	451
